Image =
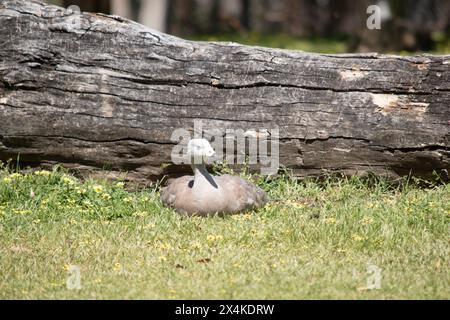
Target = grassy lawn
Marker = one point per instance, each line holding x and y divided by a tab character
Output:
283	41
314	240
441	42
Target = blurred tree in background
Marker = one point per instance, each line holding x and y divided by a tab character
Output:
407	25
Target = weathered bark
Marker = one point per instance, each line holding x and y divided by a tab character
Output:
95	91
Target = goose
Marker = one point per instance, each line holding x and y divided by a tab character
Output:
204	194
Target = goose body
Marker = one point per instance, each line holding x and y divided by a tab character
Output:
204	194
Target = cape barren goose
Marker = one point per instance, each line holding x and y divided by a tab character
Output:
204	194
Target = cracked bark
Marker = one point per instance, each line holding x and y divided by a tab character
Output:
97	92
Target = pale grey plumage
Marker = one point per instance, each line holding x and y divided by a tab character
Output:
204	194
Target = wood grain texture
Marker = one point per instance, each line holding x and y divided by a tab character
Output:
92	91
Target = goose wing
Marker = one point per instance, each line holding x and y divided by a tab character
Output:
242	194
175	190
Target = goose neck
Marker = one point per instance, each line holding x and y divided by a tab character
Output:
201	174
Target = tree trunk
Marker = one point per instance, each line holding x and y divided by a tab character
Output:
153	14
94	92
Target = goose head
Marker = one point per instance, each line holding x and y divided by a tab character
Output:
199	149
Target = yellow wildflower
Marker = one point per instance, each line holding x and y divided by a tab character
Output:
22	212
81	191
357	237
68	181
128	199
149	226
15	175
366	221
162	258
213	238
330	220
120	184
97	188
196	245
117	266
106	196
43	173
140	214
87	202
7	179
269	206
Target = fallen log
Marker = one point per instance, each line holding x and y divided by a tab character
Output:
91	92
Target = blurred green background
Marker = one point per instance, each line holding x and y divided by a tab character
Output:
328	26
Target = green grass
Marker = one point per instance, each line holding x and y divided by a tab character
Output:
441	42
283	41
314	240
